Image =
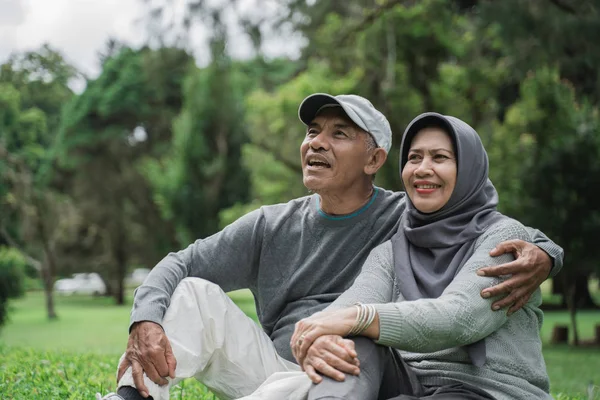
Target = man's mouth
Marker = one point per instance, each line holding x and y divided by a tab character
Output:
317	161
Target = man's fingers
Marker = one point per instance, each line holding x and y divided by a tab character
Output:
327	370
153	374
312	374
509	246
138	379
505	302
512	299
122	368
336	362
159	359
503	269
341	353
518	305
350	347
171	361
500	289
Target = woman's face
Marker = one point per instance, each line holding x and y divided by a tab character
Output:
429	175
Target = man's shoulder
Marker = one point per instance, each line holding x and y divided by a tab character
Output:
390	195
390	202
283	210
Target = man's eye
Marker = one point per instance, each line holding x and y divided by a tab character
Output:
311	132
340	133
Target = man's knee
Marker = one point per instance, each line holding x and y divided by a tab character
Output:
199	286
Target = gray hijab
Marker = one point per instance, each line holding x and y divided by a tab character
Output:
430	249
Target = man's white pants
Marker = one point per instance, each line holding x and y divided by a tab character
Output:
216	343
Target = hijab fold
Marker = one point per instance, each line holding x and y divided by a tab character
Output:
430	249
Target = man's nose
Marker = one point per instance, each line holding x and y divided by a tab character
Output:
319	142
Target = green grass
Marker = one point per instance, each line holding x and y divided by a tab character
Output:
35	374
75	356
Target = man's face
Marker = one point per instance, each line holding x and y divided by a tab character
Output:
334	153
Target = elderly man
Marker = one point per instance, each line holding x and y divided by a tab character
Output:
296	258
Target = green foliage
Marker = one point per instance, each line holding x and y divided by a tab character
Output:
555	141
41	77
33	89
540	33
201	173
12	274
123	117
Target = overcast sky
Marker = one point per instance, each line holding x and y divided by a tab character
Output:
80	29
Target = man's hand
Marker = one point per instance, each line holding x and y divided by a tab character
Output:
529	270
332	356
149	351
309	329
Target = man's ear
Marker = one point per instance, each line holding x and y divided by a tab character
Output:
376	160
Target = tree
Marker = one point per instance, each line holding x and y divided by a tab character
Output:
120	119
33	88
557	33
558	171
202	173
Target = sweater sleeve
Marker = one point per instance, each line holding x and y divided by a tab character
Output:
552	249
228	258
374	284
458	317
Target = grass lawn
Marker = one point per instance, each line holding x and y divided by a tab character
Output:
74	357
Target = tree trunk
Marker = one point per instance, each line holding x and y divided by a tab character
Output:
120	256
48	265
571	301
557	286
110	288
583	299
47	283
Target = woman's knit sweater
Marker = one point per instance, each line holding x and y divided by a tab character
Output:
431	333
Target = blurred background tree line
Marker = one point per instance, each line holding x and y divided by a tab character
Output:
158	151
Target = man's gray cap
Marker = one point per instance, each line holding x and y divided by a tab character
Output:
358	109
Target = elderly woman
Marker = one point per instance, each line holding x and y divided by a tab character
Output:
419	293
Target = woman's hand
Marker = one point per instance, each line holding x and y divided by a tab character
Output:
332	356
338	322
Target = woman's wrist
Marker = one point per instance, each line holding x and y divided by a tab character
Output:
365	321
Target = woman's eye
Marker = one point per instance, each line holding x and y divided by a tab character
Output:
413	157
441	157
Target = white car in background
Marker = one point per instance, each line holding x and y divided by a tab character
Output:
137	277
81	283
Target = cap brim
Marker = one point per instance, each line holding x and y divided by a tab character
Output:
312	104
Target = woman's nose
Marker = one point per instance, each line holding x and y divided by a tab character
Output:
424	168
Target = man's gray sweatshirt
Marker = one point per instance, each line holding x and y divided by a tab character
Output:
294	258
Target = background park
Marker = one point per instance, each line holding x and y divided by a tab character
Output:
175	137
